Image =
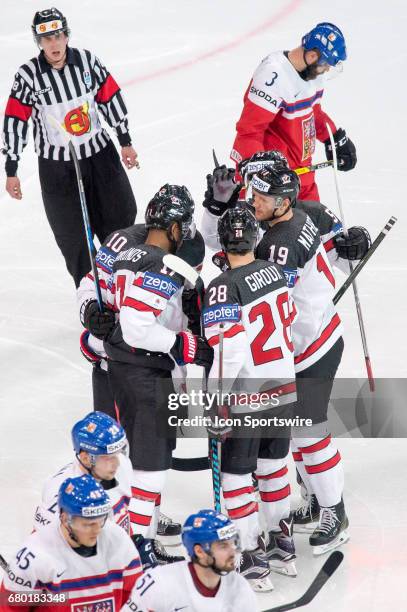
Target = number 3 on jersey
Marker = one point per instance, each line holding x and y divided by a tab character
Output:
263	310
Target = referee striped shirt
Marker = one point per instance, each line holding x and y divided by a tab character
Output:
74	96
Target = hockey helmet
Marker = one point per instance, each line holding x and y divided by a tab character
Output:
328	39
262	159
83	496
171	204
49	22
206	527
279	182
98	434
238	230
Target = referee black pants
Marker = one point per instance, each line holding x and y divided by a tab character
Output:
110	201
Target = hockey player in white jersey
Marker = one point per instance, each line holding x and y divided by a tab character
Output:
80	562
293	240
101	450
207	583
145	343
248	309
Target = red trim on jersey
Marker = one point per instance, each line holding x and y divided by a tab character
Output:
243	511
143	494
89	275
326	334
140	519
141	306
107	90
17	109
325	465
297	456
230	333
236	492
277	474
313	448
200	587
272	496
329	245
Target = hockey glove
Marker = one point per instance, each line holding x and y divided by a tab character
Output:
191	307
98	323
221	261
353	246
192	349
218	429
86	351
222	192
345	150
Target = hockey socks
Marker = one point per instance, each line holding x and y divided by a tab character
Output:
145	501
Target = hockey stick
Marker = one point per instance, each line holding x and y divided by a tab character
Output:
313	167
3	564
354	285
184	269
329	567
84	208
215	159
364	261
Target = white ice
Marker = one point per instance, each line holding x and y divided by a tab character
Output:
184	66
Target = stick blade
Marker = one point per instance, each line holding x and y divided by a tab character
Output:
181	267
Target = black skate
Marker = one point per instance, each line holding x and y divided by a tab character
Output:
331	531
306	516
279	548
168	531
152	552
255	568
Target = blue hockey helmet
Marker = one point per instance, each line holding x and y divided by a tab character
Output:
206	527
83	496
328	39
98	434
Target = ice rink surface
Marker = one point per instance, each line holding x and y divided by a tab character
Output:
184	66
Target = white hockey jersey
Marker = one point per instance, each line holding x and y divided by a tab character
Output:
251	306
100	583
168	588
47	512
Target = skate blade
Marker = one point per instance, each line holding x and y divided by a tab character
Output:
261	585
286	568
341	539
170	540
308	528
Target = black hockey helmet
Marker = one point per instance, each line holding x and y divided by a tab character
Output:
49	22
238	230
262	159
171	204
279	182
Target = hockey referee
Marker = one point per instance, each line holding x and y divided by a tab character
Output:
71	85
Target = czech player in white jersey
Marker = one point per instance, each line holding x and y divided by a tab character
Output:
206	583
81	562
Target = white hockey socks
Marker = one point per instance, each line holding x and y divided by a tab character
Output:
274	489
145	499
323	465
242	507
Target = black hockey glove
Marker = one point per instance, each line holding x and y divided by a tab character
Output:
222	192
191	307
345	151
353	246
218	429
192	349
221	261
98	323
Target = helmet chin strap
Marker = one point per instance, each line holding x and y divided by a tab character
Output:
310	72
90	470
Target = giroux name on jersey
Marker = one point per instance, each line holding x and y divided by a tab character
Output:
261	278
307	234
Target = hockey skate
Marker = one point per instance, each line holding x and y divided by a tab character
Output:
306	516
279	548
168	531
152	552
331	531
254	567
